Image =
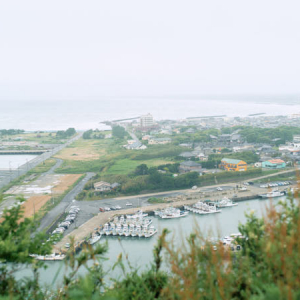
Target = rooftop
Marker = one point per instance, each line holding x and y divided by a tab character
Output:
231	161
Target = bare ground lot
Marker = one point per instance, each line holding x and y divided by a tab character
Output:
47	184
39	192
82	150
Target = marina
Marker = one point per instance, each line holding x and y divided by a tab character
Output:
218	226
196	202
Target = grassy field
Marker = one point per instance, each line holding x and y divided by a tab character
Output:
108	157
42	138
43	167
125	166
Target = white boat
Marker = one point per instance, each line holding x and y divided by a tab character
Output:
138	215
94	239
171	213
204	208
272	194
151	232
226	202
51	257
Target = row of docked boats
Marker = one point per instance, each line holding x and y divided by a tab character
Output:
204	208
200	207
137	225
49	257
131	230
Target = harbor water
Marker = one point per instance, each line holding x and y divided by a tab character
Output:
12	162
139	250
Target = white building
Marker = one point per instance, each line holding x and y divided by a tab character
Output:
102	186
146	120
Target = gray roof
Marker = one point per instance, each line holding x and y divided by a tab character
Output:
190	164
187	154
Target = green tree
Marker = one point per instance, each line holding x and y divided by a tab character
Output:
141	170
118	132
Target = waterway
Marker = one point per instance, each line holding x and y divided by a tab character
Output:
139	251
12	162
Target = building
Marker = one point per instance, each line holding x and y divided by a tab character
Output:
229	164
274	164
137	145
161	141
146	120
190	166
102	186
296	138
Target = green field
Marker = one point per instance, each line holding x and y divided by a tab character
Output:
125	166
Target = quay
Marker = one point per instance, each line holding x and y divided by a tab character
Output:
84	231
17	152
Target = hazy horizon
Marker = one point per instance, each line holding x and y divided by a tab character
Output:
74	50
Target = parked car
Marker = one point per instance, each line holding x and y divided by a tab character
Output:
219	189
101	209
107	208
118	207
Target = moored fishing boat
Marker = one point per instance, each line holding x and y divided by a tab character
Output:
273	194
171	213
94	239
225	202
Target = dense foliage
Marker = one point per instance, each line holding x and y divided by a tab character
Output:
11	131
118	132
92	134
248	156
64	134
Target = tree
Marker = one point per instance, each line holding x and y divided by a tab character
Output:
118	132
141	170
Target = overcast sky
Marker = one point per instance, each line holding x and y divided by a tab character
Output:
69	49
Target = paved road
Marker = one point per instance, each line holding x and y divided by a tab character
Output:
225	186
7	176
52	215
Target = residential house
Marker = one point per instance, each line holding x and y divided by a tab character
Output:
102	186
229	164
274	164
159	141
190	166
137	145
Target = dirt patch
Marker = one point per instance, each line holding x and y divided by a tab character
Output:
82	150
45	185
34	204
65	182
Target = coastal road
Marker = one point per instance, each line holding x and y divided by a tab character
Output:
63	206
225	186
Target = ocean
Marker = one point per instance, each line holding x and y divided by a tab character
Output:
87	114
